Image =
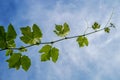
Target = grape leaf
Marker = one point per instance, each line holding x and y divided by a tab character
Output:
45	49
54	54
58	27
11	34
13	60
26	31
66	28
30	37
46	52
49	53
16	60
2	38
107	29
82	41
18	64
25	62
26	39
36	31
96	26
9	52
7	38
62	31
27	35
11	44
45	57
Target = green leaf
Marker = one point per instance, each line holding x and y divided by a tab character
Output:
2	38
45	57
66	28
2	31
26	31
86	41
96	26
62	31
11	44
49	52
7	39
11	34
45	49
27	35
14	60
29	40
36	31
58	27
46	52
9	52
82	41
17	65
4	45
25	62
107	29
30	37
26	39
54	54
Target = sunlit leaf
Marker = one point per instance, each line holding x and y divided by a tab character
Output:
66	28
36	31
26	31
96	26
45	57
13	60
11	44
11	34
2	38
62	31
107	29
82	41
30	37
18	64
49	53
25	62
85	41
45	49
26	39
9	52
27	35
54	54
2	31
58	27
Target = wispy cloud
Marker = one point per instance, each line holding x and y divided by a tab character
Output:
99	60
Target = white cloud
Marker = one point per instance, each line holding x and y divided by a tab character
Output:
71	56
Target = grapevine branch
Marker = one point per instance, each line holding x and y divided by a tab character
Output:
66	38
55	41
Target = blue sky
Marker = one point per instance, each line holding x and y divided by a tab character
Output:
99	61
